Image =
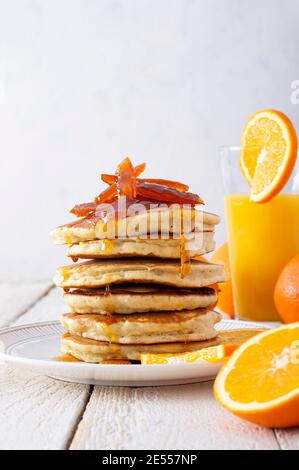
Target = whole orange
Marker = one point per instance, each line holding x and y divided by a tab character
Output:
286	293
225	294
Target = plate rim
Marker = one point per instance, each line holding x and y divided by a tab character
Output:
86	365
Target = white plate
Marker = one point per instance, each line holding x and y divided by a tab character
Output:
34	346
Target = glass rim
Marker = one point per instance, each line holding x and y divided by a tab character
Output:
229	159
234	148
229	147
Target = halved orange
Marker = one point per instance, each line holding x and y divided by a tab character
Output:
212	354
269	152
260	381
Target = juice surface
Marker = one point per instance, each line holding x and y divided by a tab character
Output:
262	238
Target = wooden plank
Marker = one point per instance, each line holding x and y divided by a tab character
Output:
49	307
288	439
16	299
38	412
176	417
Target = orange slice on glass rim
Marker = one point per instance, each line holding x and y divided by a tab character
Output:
269	152
260	381
212	354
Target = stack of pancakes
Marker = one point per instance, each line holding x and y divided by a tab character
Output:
132	296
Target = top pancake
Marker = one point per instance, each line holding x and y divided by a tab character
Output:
142	270
158	220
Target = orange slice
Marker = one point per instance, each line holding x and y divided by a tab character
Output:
212	354
269	153
260	381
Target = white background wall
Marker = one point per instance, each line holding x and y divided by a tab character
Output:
84	83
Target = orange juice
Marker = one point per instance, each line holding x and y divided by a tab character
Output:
262	238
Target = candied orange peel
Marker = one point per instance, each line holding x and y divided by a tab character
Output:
126	182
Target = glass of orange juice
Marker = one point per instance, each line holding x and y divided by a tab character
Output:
262	238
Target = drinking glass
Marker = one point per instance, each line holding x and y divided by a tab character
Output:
262	238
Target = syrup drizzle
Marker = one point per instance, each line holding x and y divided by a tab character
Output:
107	290
66	358
185	258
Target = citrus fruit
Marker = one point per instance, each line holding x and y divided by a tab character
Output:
225	292
260	381
212	354
269	153
286	293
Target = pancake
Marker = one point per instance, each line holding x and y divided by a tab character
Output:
154	221
128	299
128	247
148	328
89	350
145	270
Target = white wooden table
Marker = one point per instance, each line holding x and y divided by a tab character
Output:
41	413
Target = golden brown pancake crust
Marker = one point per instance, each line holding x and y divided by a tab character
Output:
88	350
147	328
143	289
132	247
86	229
92	274
135	298
98	351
